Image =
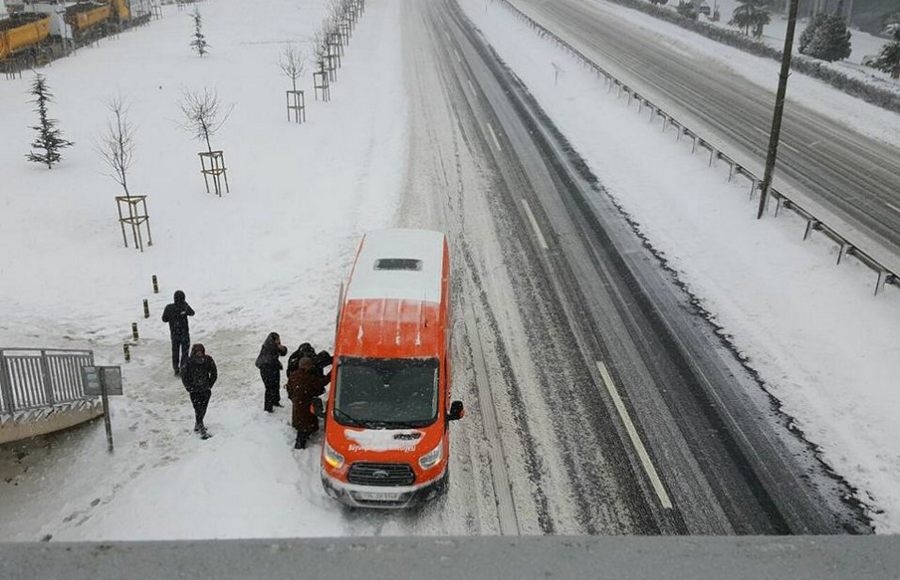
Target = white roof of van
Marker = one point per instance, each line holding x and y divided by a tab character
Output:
424	283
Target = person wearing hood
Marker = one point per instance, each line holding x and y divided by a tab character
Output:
270	369
198	375
303	386
176	314
321	359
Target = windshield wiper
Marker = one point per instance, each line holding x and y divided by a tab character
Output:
353	420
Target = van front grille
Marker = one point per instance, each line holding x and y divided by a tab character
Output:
382	474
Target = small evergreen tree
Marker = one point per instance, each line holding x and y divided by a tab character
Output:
809	32
687	10
888	60
49	138
830	40
199	43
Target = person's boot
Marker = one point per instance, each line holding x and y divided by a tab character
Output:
204	434
197	427
301	441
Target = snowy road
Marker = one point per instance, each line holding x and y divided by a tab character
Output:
598	400
555	274
851	174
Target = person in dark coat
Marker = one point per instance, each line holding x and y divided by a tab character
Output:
198	375
270	370
322	358
305	384
304	350
176	314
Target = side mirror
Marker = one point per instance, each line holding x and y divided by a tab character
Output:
457	411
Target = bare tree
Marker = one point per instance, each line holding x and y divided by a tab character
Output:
203	114
292	63
320	48
116	146
334	12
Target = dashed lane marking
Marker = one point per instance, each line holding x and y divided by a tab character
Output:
892	206
636	442
494	136
534	225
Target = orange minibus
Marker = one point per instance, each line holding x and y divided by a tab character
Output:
387	420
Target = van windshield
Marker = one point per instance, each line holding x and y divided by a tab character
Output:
383	393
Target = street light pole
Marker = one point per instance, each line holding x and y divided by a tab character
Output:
779	107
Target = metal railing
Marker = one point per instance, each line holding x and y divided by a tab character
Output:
32	378
848	247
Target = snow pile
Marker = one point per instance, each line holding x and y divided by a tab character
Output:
269	255
385	439
823	345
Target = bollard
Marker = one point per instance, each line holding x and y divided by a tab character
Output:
134	331
155	285
127	351
146	309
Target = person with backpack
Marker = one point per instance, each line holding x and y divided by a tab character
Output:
270	370
198	375
176	314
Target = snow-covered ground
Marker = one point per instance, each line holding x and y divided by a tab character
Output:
822	344
862	44
267	256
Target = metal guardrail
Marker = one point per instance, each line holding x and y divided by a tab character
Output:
32	378
885	275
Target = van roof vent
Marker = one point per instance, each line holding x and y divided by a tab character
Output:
403	264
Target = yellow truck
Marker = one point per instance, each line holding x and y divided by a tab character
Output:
84	16
21	31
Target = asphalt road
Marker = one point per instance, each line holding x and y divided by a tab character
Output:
855	177
619	410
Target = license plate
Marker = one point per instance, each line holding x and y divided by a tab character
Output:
377	496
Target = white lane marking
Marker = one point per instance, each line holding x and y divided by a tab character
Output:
472	88
494	136
458	59
892	206
635	438
534	224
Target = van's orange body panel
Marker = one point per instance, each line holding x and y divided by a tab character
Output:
393	327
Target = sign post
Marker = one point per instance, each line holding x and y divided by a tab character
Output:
103	381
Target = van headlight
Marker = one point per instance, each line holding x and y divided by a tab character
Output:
432	458
332	457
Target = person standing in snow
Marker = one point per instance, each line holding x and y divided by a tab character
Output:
304	350
303	386
321	359
198	375
270	369
176	314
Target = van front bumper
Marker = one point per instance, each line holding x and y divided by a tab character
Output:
377	497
